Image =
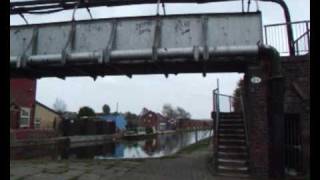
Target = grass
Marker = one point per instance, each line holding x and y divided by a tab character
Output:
201	145
74	178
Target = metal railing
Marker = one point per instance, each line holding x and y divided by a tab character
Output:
216	112
276	36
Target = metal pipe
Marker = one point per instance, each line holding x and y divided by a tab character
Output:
140	54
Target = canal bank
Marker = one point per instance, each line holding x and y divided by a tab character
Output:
188	163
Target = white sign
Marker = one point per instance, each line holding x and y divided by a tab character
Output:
256	80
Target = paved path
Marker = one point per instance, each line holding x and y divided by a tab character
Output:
186	166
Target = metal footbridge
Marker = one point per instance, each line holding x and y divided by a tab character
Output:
136	45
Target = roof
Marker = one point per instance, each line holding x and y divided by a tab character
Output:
46	107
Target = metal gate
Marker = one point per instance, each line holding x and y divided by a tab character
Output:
293	145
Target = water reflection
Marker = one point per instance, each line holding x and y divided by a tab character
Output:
161	145
157	146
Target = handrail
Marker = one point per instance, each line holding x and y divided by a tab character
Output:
300	37
245	122
216	127
275	35
285	23
296	42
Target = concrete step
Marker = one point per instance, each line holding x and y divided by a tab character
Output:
238	135
230	130
233	168
225	116
232	162
230	115
233	174
231	126
231	140
231	121
232	148
232	143
226	147
233	155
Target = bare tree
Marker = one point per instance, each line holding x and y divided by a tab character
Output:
59	105
183	114
175	113
168	111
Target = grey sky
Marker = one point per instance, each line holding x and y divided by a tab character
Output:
190	91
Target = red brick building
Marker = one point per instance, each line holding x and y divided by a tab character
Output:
22	103
150	119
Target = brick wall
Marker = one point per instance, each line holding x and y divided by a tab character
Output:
297	73
257	96
256	116
23	93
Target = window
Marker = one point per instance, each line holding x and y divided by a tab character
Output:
25	117
37	123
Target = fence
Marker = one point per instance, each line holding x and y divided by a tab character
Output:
276	36
31	134
293	145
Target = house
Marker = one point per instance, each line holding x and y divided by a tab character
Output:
150	119
45	117
118	119
22	103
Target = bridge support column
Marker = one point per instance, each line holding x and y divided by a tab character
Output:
257	122
264	96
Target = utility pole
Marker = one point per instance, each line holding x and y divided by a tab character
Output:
117	107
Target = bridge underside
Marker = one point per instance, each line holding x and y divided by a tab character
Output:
129	68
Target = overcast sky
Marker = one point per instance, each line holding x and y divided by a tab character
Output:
189	91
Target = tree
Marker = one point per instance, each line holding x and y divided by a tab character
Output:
132	119
183	114
59	105
175	113
237	94
106	109
168	111
86	111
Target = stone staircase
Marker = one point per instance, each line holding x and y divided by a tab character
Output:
232	152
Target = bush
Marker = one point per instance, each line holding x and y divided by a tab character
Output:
149	130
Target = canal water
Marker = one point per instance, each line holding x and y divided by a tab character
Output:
156	146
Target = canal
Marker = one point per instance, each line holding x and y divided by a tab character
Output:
152	147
